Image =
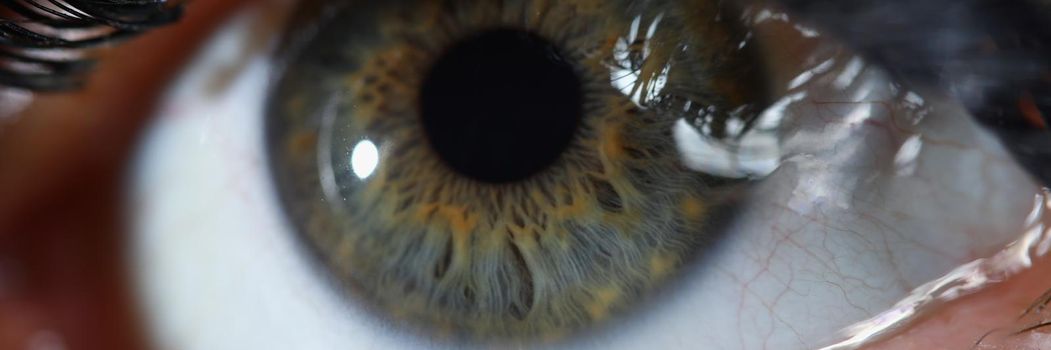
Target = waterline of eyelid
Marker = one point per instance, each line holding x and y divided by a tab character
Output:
965	280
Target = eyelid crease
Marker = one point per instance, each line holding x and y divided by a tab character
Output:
42	43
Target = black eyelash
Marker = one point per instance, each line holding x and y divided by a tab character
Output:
42	41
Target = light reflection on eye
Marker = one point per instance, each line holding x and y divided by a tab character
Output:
865	204
364	158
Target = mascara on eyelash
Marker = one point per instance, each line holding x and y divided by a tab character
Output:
43	43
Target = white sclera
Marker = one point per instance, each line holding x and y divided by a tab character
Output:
833	236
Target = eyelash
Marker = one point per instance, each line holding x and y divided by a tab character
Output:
42	42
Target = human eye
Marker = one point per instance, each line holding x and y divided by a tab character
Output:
774	195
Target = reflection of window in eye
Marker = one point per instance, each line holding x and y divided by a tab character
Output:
813	247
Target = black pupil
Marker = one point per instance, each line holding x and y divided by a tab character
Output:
501	106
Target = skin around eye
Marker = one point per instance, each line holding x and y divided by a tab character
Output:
545	199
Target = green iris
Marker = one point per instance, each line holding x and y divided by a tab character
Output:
526	183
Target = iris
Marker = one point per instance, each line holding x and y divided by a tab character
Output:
527	184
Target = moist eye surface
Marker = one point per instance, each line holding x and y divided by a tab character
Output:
525	184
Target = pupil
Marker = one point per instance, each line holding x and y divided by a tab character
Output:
501	106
